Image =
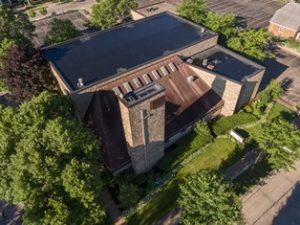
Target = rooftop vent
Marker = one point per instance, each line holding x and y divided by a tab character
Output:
204	62
85	38
80	83
190	60
202	30
190	79
121	70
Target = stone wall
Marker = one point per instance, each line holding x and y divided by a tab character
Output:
228	90
249	89
145	138
281	31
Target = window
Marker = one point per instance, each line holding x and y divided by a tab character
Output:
155	74
127	87
146	78
164	70
117	91
281	29
137	82
172	66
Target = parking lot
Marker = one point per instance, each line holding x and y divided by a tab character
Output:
77	18
252	13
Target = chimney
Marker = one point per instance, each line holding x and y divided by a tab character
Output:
80	83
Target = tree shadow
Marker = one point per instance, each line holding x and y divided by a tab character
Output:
241	22
289	213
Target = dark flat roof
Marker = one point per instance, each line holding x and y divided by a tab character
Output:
226	63
100	55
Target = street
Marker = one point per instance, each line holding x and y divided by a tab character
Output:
276	202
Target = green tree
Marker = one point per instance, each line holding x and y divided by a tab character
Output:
194	10
60	30
205	198
15	26
202	129
5	45
279	139
129	195
224	24
51	163
251	42
25	73
107	13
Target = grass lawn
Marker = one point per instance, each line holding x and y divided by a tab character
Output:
210	158
181	150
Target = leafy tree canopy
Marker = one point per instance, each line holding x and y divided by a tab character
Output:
107	13
13	26
25	73
60	30
194	10
280	139
205	198
251	42
50	162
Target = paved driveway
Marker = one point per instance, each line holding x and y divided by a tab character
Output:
285	67
277	202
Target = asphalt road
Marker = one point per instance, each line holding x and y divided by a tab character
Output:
285	67
277	202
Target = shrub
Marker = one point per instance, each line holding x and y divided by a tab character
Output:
227	123
129	195
31	13
43	10
201	128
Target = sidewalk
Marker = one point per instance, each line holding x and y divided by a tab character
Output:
276	202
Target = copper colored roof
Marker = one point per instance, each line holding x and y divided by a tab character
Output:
104	117
185	102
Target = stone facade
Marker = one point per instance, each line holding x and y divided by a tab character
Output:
228	90
281	31
235	94
249	89
144	128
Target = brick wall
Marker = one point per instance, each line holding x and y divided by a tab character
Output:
280	31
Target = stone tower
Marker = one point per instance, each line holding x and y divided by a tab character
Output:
143	118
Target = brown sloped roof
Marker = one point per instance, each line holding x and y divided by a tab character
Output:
104	117
185	103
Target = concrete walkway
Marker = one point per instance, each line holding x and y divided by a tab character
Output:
277	202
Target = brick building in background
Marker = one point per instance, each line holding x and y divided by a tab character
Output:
286	21
142	85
